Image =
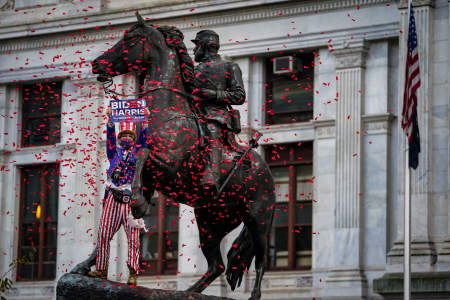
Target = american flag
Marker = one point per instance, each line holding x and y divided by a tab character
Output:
412	83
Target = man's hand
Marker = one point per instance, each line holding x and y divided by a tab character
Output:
208	94
108	113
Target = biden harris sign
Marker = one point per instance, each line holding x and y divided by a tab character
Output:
132	110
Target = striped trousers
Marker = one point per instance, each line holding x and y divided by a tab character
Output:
114	215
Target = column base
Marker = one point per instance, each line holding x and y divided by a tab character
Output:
424	286
444	256
346	284
422	253
445	250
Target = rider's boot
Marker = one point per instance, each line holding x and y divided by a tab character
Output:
210	180
132	277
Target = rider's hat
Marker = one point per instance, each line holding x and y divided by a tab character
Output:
127	127
209	36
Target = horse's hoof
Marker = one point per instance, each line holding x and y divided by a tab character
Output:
255	296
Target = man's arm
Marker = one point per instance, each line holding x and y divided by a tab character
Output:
143	132
110	136
235	92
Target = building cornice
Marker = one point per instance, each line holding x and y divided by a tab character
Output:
416	3
201	13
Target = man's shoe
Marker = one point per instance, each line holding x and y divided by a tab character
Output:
99	274
132	278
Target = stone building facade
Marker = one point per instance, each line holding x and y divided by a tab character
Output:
331	134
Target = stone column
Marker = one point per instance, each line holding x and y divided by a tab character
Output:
324	165
442	191
422	249
9	183
346	277
447	246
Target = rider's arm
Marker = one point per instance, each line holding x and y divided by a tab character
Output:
235	93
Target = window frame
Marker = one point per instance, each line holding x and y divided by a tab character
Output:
43	202
268	87
26	120
160	263
291	164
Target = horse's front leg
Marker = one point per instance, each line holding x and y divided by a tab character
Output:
138	204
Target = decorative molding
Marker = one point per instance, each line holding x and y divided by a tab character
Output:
416	3
215	18
6	4
286	133
350	54
377	124
304	281
325	129
32	289
420	249
38	73
313	39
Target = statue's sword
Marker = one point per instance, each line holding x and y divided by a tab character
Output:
253	144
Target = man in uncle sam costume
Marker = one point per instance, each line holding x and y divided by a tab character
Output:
116	209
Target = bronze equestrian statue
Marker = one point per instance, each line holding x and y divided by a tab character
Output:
174	161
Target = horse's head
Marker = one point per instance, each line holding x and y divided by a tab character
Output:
130	54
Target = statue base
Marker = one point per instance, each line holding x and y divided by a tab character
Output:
75	286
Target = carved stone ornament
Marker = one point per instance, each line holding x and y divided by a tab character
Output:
6	4
416	3
350	54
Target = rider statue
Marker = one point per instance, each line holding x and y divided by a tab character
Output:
218	84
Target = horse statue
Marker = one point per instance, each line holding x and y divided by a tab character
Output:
174	159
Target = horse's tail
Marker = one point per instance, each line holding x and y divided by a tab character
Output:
239	257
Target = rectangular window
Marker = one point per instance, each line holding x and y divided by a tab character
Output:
38	221
289	88
290	242
160	244
41	114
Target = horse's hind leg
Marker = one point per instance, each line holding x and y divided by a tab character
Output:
259	224
138	203
210	239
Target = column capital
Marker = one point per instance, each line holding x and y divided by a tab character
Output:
416	3
350	53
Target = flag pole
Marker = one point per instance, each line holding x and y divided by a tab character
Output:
407	231
407	207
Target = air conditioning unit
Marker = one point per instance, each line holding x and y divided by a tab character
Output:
285	65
